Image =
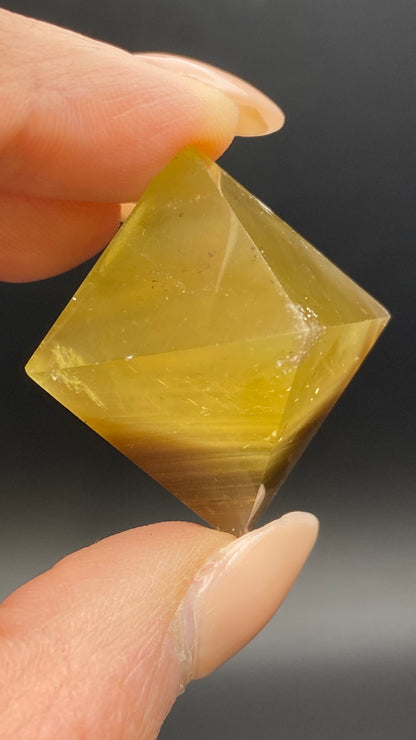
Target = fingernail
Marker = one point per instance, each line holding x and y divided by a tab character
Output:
236	593
258	115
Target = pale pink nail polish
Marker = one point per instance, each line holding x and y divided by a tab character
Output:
236	593
258	114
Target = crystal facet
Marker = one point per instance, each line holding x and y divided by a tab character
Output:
208	342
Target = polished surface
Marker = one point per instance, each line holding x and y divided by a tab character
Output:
208	342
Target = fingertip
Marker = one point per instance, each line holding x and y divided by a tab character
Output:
216	114
126	115
238	591
303	520
123	116
257	113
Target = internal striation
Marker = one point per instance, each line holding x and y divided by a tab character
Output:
208	342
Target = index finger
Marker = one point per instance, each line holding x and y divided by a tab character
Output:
82	120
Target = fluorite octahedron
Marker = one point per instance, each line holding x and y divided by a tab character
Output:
208	342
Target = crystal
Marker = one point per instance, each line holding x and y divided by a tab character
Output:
208	342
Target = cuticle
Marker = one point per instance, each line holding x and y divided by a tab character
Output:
185	621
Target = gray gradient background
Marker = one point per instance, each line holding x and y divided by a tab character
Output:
339	660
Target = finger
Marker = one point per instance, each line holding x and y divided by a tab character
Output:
256	116
42	237
100	645
82	120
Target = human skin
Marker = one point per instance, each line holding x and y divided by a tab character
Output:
99	646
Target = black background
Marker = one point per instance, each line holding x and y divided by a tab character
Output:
339	661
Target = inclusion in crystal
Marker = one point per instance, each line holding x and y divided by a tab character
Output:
208	342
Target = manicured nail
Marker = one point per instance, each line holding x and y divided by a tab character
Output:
258	114
236	593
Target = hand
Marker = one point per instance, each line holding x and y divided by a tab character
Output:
100	645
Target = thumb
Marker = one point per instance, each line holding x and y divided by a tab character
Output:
101	645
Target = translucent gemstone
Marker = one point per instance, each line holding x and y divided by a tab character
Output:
208	342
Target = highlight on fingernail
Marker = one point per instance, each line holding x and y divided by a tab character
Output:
238	590
258	114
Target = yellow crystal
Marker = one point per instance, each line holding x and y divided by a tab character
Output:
208	342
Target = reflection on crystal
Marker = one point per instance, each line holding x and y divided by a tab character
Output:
208	342
257	506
